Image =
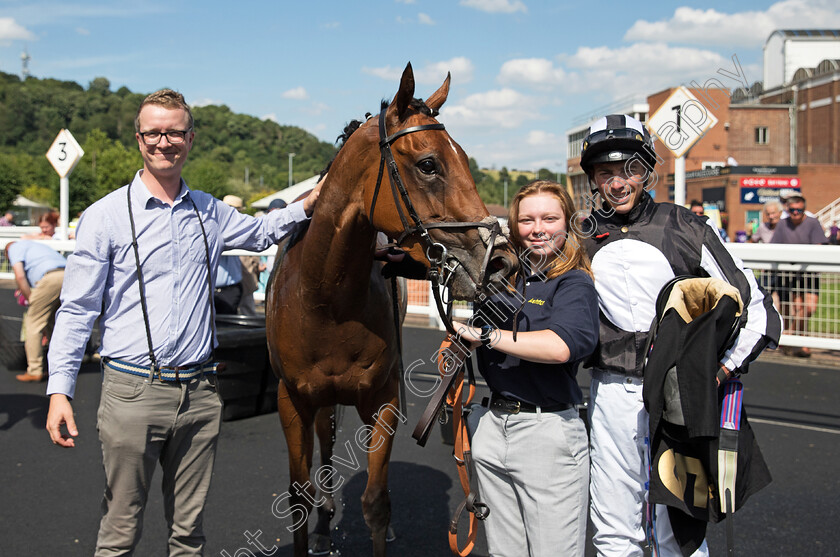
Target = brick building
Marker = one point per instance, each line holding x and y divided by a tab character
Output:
766	143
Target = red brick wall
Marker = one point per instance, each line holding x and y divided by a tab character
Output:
742	125
820	184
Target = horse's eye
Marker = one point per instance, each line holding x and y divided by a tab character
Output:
427	166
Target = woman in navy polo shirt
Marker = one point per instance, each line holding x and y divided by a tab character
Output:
529	444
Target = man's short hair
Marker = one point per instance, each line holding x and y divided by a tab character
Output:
167	98
796	199
696	203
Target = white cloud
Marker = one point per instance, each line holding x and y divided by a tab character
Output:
331	25
298	94
644	68
748	28
496	6
535	72
82	31
636	70
500	108
433	73
10	30
272	116
425	19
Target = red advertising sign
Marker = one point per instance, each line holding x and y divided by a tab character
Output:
769	182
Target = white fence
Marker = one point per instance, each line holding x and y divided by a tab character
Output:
796	266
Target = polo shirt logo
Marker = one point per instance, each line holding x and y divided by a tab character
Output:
535	301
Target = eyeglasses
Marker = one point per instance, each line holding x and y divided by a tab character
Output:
174	136
796	211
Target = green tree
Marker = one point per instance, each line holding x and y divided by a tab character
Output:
209	176
10	183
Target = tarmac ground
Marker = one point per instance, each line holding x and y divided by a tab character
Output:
51	496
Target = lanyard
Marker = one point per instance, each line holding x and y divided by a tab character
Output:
142	285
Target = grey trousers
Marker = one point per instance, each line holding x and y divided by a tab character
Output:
140	423
533	473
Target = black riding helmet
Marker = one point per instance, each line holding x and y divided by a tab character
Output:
615	138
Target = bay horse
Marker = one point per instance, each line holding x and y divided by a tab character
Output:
330	325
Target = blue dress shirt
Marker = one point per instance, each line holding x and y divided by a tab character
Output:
38	259
101	276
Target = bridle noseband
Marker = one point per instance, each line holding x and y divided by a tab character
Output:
435	252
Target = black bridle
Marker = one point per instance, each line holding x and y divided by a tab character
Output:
437	254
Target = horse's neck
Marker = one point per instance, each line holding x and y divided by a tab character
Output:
338	248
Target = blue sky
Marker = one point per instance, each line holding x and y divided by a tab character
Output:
523	71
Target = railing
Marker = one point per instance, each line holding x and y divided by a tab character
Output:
795	266
829	214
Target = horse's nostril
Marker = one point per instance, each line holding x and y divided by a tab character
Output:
502	266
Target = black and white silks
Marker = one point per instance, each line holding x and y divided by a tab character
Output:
634	255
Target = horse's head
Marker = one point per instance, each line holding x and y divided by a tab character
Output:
426	197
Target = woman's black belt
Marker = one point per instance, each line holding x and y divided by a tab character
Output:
513	406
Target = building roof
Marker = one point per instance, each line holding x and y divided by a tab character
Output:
288	194
28	203
803	34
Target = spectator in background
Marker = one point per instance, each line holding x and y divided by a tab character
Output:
834	234
228	288
39	273
786	202
696	207
800	291
772	215
47	223
267	262
763	234
8	219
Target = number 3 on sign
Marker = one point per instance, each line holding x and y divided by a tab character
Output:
64	153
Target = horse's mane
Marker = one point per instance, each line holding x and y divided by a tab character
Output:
341	141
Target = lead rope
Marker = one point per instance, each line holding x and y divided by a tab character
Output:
142	286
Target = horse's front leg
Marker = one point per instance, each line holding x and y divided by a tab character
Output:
321	544
297	427
381	415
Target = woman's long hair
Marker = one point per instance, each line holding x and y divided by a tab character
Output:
572	256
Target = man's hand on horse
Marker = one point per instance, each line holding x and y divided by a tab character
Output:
312	198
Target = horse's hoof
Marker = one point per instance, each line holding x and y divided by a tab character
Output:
321	545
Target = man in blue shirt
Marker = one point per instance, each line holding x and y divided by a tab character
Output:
146	259
39	272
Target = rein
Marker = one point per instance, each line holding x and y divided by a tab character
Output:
441	271
452	359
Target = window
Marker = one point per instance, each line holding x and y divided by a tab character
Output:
713	164
761	136
576	143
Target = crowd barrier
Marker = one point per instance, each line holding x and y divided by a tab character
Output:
790	270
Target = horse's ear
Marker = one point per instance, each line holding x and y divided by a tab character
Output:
439	97
406	92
